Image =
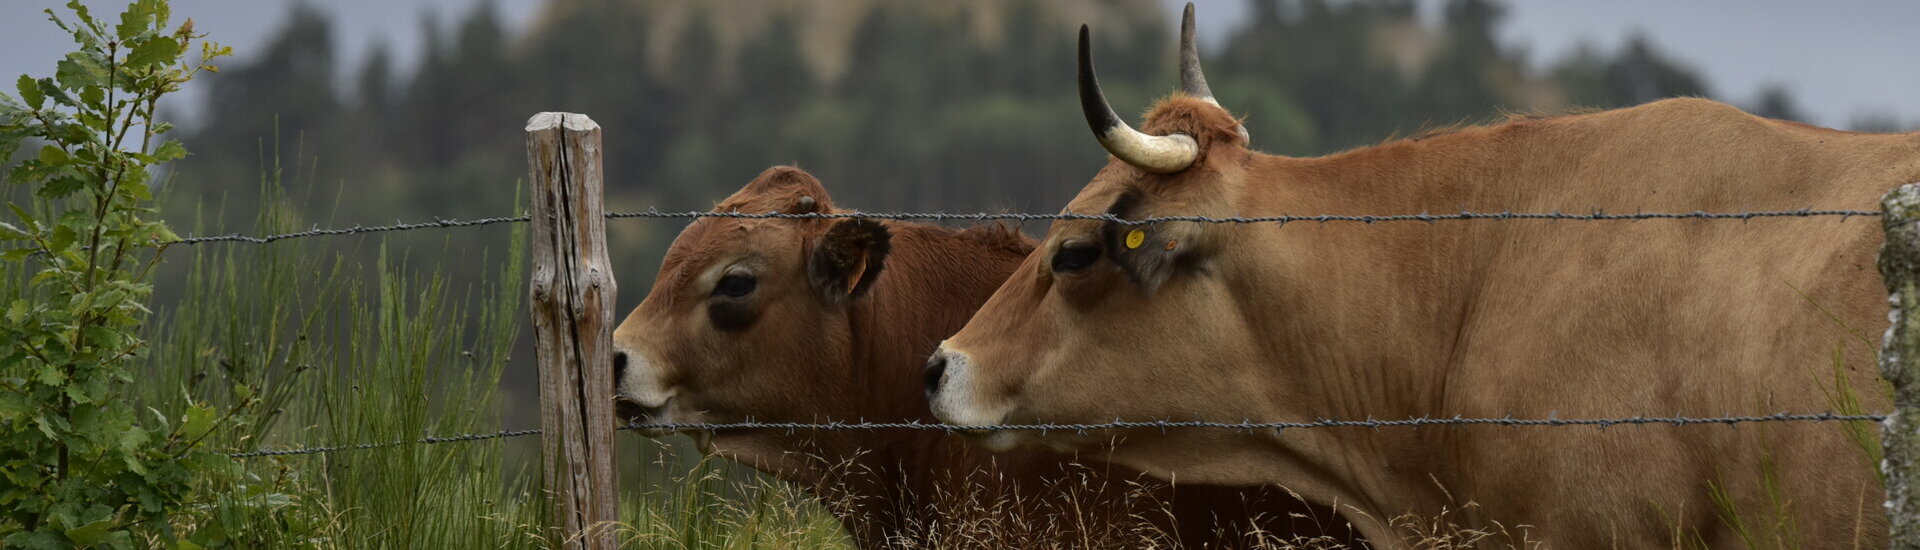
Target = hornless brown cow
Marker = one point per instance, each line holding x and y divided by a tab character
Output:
812	320
1300	321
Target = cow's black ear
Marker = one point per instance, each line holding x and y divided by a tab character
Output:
847	260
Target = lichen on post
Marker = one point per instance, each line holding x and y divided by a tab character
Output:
1900	363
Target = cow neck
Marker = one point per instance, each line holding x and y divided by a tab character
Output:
933	280
1364	306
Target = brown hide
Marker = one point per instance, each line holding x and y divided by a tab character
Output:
835	324
1301	321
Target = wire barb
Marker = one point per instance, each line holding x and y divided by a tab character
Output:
1552	420
1369	219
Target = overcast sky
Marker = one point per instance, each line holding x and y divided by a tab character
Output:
1840	58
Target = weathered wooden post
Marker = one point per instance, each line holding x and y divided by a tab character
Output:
573	299
1900	364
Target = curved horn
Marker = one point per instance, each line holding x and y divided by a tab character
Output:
1159	154
1193	81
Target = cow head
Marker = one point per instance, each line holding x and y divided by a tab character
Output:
1102	305
744	311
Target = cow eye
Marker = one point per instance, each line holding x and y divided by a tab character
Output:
734	285
1075	256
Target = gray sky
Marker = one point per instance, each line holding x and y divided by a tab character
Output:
1840	59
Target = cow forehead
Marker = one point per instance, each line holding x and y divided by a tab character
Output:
710	241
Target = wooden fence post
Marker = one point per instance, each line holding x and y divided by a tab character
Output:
1900	364
573	299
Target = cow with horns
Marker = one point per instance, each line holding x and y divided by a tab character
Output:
1529	319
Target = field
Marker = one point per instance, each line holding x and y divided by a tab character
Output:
375	390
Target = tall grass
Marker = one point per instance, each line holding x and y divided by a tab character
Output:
337	345
337	352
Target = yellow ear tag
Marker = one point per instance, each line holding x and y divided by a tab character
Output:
1134	238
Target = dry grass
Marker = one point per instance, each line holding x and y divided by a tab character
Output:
718	505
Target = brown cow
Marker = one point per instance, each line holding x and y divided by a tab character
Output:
1272	322
814	320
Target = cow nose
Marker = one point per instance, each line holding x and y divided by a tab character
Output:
936	369
619	367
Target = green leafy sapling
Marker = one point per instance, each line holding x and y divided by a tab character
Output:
79	465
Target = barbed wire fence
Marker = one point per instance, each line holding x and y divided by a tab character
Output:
1463	215
1244	425
1594	215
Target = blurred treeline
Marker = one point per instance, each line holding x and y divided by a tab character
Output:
954	106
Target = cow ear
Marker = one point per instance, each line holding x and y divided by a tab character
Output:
847	260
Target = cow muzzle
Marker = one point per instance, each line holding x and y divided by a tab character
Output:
954	394
640	396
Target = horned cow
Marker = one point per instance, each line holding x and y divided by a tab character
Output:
1532	319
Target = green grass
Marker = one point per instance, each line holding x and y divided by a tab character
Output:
338	351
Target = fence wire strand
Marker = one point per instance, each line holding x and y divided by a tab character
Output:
1463	215
437	223
1244	425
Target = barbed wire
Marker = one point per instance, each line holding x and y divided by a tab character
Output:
1463	215
1244	425
437	223
424	441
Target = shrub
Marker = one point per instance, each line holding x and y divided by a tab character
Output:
79	465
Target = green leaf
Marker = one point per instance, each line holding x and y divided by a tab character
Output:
137	19
10	233
170	150
37	540
53	155
14	406
95	97
63	237
198	421
163	234
79	71
30	92
91	533
80	10
46	425
51	375
61	187
101	337
52	90
159	50
25	218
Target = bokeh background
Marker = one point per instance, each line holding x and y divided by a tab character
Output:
370	111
